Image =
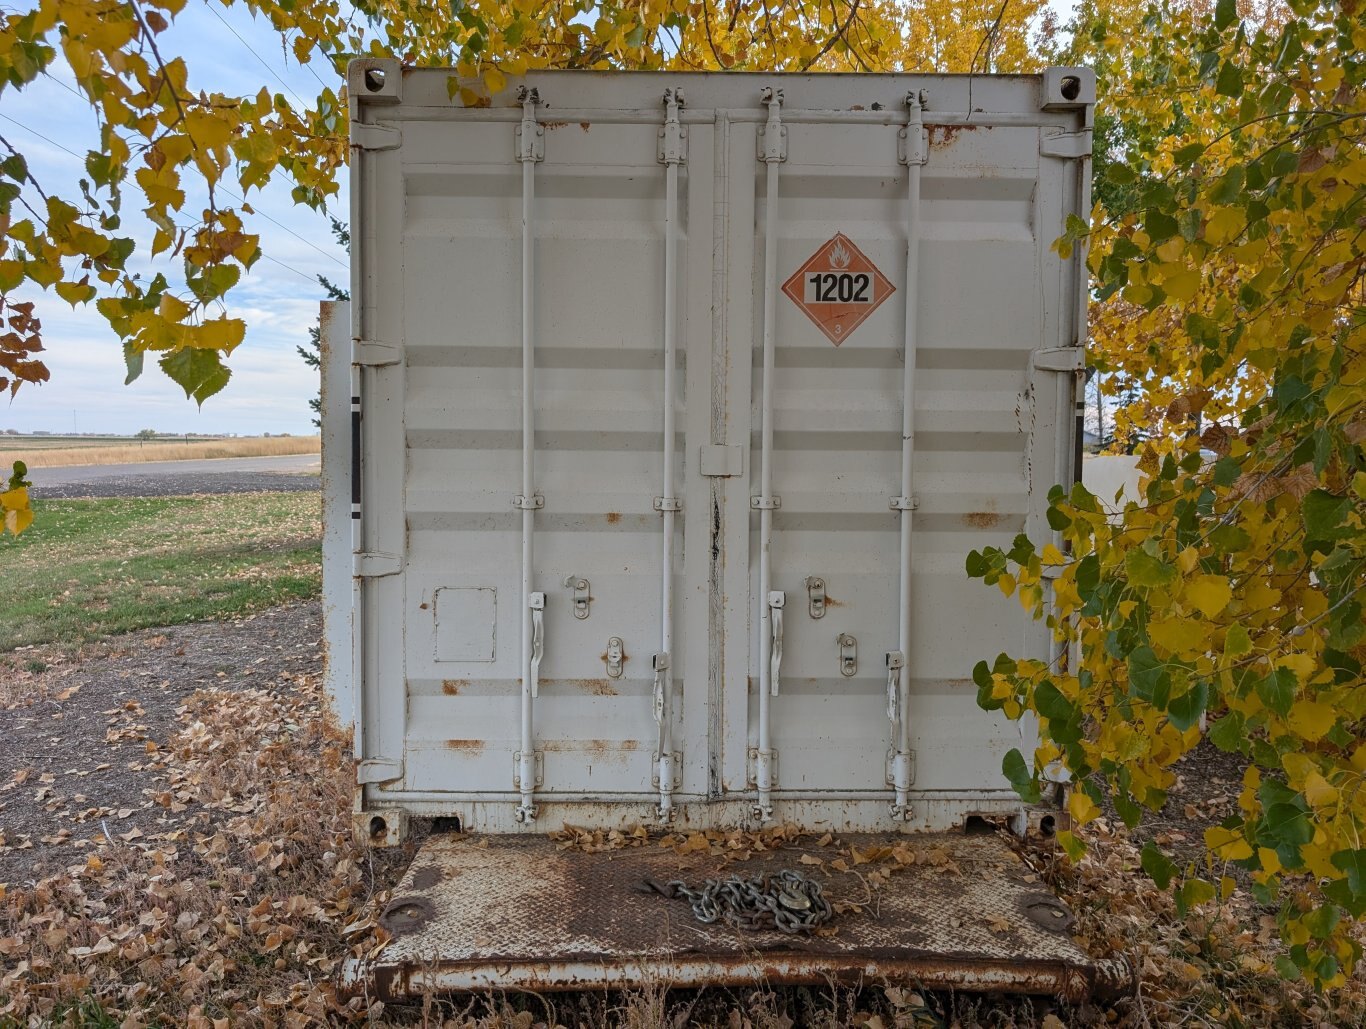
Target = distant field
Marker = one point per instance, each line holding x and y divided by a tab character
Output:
8	443
64	451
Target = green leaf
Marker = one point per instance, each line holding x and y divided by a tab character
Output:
1192	893
977	565
1121	174
1324	514
15	167
133	359
1088	576
981	675
1187	155
1145	570
1160	226
1322	921
1286	968
1287	823
1158	866
1019	776
1049	702
200	373
1277	690
1227	733
1236	641
1226	471
1228	187
1149	677
1225	14
1185	710
1349	891
1230	80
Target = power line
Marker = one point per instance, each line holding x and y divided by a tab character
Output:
45	139
240	199
286	228
214	11
273	260
302	275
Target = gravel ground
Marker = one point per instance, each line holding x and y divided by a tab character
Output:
82	739
178	484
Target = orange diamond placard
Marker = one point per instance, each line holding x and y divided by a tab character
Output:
838	287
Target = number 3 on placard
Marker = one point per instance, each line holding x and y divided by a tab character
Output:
838	288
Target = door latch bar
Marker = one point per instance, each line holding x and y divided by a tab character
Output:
582	595
815	595
848	654
616	656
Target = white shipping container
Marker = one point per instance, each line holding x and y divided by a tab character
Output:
677	402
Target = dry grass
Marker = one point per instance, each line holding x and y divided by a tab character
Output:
135	453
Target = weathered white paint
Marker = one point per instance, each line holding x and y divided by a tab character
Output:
438	251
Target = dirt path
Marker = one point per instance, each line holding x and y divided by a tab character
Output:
85	739
179	478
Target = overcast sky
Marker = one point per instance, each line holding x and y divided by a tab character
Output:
53	126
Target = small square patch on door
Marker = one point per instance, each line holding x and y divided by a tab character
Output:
466	623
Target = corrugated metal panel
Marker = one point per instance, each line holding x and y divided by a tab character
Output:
439	200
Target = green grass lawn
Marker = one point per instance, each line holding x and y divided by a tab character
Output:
87	569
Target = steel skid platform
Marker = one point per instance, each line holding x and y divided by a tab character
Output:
956	912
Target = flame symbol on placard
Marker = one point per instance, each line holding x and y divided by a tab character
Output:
839	257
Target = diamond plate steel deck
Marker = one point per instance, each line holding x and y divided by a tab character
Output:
521	913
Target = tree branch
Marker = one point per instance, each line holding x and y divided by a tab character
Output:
838	34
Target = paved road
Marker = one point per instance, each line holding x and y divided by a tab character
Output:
291	473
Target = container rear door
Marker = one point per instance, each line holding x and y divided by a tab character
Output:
438	205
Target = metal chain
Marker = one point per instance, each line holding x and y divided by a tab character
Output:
786	901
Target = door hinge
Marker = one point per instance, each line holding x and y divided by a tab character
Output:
913	149
891	766
538	758
773	133
673	137
1067	360
1070	146
379	769
530	135
373	354
375	137
654	774
752	763
375	565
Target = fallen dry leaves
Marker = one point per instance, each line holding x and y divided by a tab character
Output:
239	903
240	907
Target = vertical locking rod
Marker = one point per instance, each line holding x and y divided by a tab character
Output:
671	153
527	500
772	156
916	152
